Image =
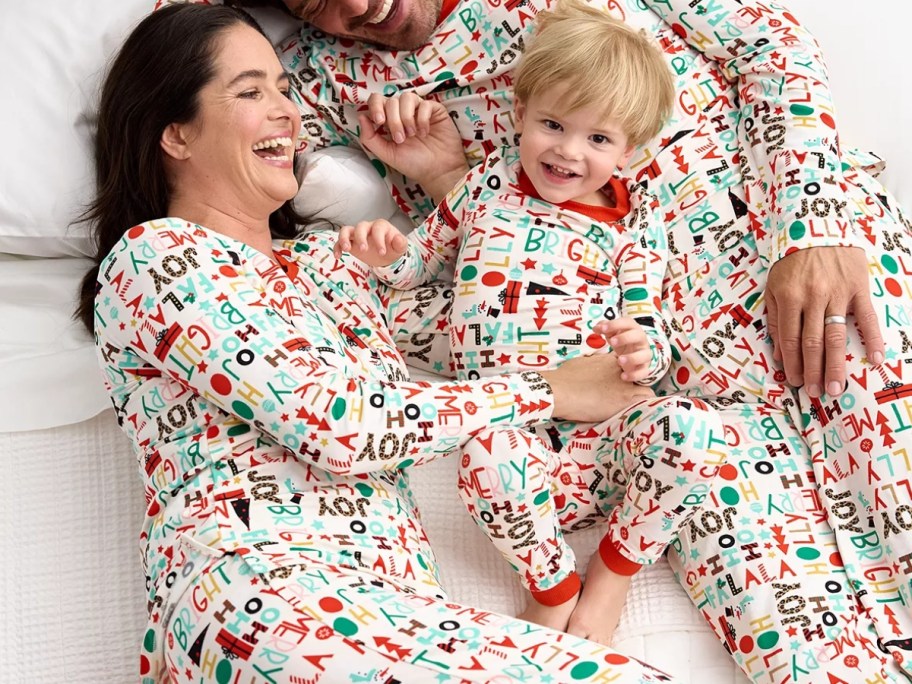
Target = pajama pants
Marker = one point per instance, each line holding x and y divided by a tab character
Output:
647	470
801	560
316	622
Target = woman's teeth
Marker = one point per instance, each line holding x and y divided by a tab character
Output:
279	145
272	142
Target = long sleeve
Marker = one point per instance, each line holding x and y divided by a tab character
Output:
212	316
641	269
793	172
434	244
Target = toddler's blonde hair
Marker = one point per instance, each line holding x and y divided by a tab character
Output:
598	62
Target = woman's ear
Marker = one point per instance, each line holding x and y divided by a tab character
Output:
519	112
174	142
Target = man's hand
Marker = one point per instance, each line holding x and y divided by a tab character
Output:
629	342
376	243
802	290
421	140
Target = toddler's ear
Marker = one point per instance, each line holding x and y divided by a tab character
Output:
628	153
519	110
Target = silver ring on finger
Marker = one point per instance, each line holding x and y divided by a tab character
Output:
834	320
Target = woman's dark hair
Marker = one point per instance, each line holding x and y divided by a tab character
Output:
277	4
154	81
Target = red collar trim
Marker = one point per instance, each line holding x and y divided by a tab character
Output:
615	186
446	9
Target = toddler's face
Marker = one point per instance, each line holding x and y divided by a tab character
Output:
568	155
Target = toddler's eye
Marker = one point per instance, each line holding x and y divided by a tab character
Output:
552	125
600	139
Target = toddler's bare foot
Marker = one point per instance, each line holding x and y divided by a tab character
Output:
599	608
555	617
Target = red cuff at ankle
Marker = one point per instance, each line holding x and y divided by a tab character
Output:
614	561
565	590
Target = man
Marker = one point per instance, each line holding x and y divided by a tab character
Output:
783	251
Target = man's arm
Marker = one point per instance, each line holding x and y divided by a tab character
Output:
325	121
793	180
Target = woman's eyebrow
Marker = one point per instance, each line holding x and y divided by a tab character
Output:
257	74
249	73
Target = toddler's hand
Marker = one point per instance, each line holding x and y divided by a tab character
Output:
416	137
629	342
376	243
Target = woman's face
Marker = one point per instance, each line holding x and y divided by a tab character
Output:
239	149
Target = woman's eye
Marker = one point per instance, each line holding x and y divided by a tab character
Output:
249	94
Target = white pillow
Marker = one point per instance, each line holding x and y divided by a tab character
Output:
340	185
49	375
53	53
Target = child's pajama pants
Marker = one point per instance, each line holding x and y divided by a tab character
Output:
647	470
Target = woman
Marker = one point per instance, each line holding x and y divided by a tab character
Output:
268	406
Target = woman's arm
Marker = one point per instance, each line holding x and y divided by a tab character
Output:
283	367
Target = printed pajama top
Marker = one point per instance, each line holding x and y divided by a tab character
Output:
533	278
753	98
258	392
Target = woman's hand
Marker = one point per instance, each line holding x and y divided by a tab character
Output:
376	243
628	340
590	389
420	140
